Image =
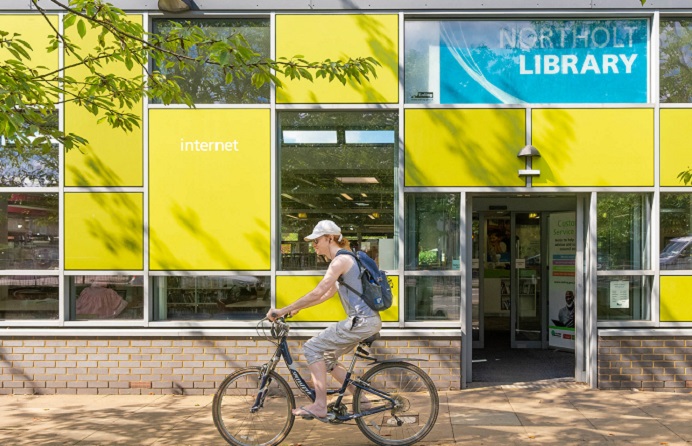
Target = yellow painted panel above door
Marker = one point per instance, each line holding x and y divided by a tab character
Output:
291	288
675	144
104	231
210	192
593	147
112	157
469	147
676	304
340	37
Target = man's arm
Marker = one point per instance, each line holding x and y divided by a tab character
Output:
322	292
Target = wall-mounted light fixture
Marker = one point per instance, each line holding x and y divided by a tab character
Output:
528	152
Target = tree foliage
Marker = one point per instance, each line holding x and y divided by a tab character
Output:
29	95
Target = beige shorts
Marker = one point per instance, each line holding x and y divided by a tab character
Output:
338	339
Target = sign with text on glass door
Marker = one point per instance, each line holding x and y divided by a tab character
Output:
562	249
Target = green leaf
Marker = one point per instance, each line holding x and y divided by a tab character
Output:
81	28
69	20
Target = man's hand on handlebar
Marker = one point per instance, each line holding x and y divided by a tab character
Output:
275	313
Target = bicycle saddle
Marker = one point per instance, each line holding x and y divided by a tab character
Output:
368	342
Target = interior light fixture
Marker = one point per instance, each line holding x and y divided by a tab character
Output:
347	196
357	180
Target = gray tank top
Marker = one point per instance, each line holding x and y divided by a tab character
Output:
352	303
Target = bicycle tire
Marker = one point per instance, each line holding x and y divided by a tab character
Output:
418	404
235	397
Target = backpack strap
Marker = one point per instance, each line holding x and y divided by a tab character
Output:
360	271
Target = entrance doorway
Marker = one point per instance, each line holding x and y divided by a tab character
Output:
523	264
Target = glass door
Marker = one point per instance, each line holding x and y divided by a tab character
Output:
527	302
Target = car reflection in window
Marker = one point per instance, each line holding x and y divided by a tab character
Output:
677	254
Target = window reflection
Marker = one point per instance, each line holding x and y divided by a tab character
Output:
432	231
28	297
432	298
205	83
623	231
28	231
676	60
676	231
211	297
107	297
348	178
30	165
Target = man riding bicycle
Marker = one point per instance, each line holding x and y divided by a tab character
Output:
362	322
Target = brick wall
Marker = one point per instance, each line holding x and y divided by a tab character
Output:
647	363
189	366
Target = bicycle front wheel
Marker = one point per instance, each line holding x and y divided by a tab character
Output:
233	415
415	408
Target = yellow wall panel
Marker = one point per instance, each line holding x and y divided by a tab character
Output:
34	29
594	147
112	157
464	147
209	183
291	288
340	37
676	300
675	144
104	231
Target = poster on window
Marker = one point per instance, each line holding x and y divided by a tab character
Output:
529	61
562	249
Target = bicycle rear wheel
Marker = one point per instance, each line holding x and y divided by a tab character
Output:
415	410
232	405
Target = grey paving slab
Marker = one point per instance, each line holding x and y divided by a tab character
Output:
494	415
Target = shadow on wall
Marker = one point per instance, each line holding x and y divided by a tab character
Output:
124	213
220	256
466	149
97	173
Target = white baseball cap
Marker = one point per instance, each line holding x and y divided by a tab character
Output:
324	227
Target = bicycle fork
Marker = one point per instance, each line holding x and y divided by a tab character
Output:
264	381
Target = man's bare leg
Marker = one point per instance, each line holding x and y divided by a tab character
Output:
339	374
318	371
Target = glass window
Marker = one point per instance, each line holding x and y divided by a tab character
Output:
526	61
624	298
623	231
432	298
206	84
211	297
28	231
432	231
28	297
676	231
344	172
676	60
29	166
106	297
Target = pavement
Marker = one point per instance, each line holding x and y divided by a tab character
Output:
537	413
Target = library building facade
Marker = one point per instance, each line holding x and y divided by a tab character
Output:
517	169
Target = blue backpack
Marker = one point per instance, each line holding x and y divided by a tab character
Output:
377	293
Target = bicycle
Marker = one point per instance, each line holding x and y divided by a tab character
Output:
395	403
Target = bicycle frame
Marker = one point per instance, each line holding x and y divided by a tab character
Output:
282	351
